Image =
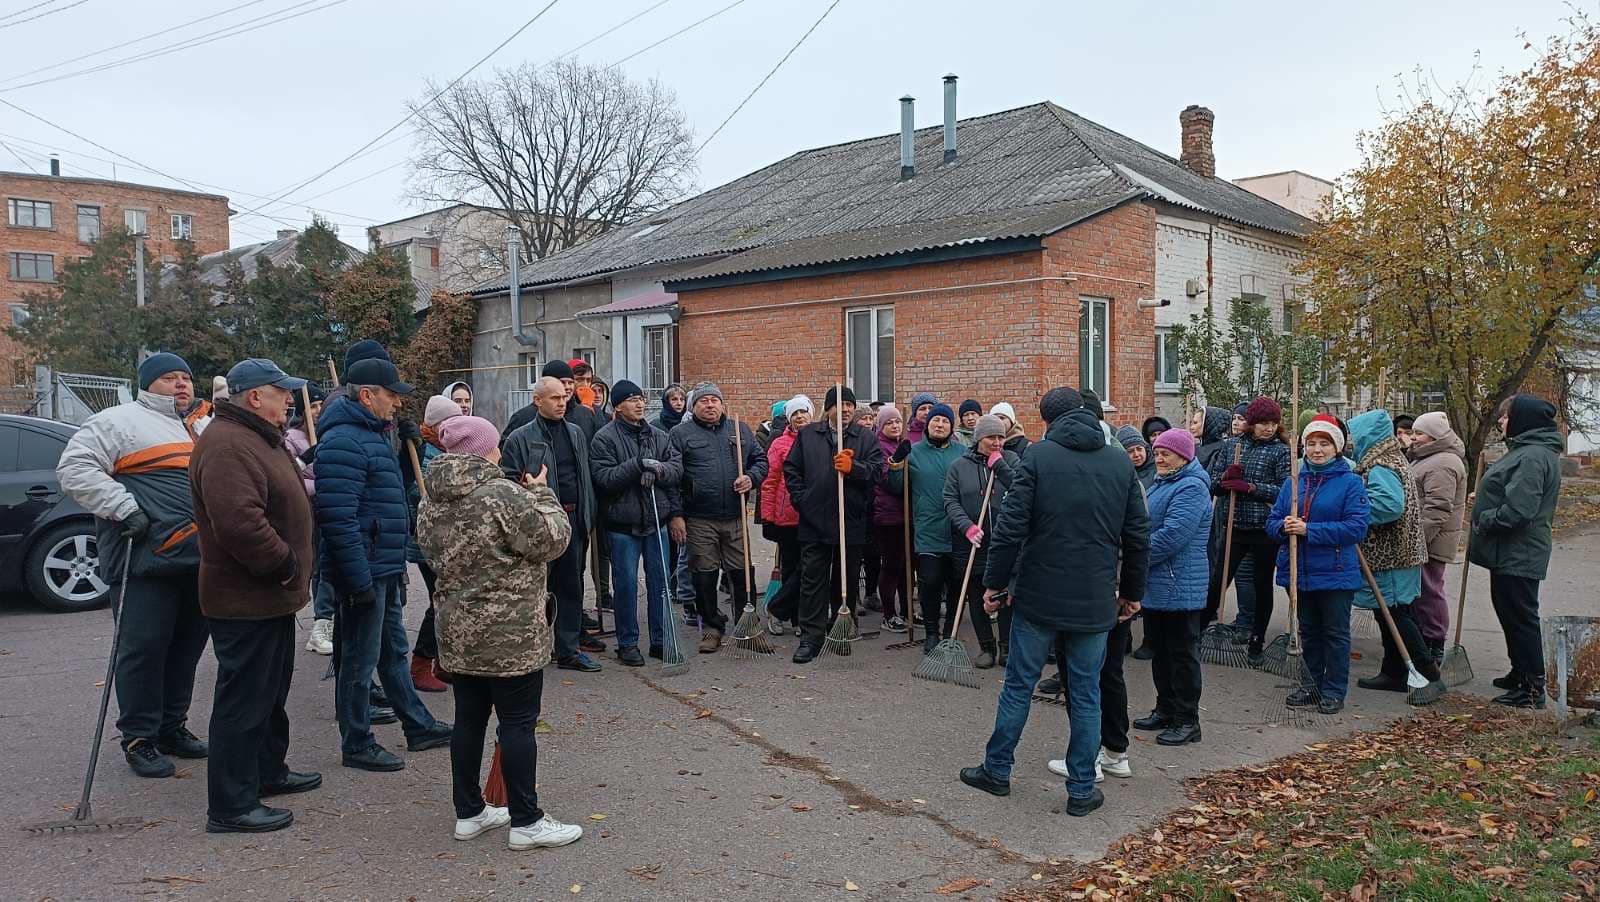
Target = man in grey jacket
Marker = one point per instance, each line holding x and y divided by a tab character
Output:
129	466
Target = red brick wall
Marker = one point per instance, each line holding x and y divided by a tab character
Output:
210	230
1009	342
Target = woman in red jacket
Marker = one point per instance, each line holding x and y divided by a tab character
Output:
782	521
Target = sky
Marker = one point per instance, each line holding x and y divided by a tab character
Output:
256	113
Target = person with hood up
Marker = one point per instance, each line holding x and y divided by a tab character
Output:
782	520
1395	550
1016	440
963	502
1210	427
1438	464
968	413
491	539
128	466
926	463
1511	514
1239	424
1332	518
1180	520
922	404
888	522
1154	426
1138	448
461	394
1072	542
772	428
674	401
1261	472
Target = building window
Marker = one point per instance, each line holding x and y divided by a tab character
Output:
530	369
869	353
658	354
1094	342
29	214
88	223
182	226
135	221
33	267
1168	372
584	354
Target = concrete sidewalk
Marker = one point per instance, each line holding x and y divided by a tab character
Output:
737	780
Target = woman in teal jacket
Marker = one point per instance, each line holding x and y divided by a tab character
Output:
927	462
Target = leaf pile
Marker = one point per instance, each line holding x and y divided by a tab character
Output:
1462	801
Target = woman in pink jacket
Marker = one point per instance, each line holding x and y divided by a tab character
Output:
782	521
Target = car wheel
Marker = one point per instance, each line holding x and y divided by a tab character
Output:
62	569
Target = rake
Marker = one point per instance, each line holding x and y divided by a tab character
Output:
1456	669
750	633
673	660
838	646
949	661
1283	657
1422	692
82	820
1219	642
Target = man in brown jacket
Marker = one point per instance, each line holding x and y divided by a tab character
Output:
255	560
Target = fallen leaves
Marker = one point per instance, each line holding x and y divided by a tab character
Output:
850	886
597	817
702	714
800	806
959	885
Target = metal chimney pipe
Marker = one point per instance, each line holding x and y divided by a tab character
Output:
55	165
949	118
908	133
514	277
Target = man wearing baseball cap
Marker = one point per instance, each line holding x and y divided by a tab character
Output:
362	513
255	529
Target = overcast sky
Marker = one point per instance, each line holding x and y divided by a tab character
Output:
255	114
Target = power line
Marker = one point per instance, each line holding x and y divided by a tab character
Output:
26	9
19	157
764	78
153	34
669	37
48	12
615	27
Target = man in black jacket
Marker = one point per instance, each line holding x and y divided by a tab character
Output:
809	472
636	474
1075	508
712	496
577	414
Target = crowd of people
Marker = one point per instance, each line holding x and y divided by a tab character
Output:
221	519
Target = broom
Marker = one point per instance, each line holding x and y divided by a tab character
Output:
837	645
1422	691
949	662
749	636
1456	669
1217	644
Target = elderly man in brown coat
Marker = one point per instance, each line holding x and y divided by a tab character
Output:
254	526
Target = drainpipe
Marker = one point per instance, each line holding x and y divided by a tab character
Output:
514	258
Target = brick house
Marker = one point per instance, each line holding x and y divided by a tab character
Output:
53	219
992	258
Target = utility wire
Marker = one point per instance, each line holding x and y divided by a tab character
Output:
764	79
153	34
48	12
669	37
615	27
26	9
19	157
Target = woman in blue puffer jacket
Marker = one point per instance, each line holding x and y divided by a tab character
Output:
1175	599
1332	520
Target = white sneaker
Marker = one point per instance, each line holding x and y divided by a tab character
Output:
546	834
487	819
321	638
1058	766
1115	764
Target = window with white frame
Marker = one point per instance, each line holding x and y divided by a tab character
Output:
28	214
88	223
869	353
584	354
658	353
530	369
182	226
1094	346
135	221
1168	371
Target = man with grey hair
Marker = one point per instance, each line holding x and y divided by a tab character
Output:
550	440
712	500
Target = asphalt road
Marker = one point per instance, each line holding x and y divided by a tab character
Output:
737	780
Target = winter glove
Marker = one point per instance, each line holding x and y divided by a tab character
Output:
287	571
364	599
648	480
1235	485
901	451
653	465
1234	472
844	461
135	526
975	535
408	430
309	456
994	458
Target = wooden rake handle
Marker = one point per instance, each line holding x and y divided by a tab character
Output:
744	522
972	555
1383	608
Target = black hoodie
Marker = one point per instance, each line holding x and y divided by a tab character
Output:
1218	425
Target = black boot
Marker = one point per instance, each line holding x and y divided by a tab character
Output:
987	659
705	591
1384	682
1529	695
740	596
1508	682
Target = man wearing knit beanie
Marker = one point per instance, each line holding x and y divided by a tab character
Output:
969	411
1439	470
151	506
1058	401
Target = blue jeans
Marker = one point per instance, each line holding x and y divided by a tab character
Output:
626	550
374	636
1085	654
324	601
685	580
1325	640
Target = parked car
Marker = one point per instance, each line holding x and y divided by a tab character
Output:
47	542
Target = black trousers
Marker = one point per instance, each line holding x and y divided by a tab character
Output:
936	591
515	701
871	562
1516	604
566	584
981	624
427	644
852	566
819	587
1406	625
786	601
1174	637
1263	554
1113	687
163	636
249	727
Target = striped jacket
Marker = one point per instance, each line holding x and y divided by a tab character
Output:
135	457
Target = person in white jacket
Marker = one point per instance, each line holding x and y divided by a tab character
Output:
129	467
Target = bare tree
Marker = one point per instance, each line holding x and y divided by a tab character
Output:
564	151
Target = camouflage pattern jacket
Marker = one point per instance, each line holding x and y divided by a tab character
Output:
489	540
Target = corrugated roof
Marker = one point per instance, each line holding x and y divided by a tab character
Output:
281	251
1021	173
639	303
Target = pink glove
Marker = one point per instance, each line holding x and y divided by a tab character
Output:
975	535
994	459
